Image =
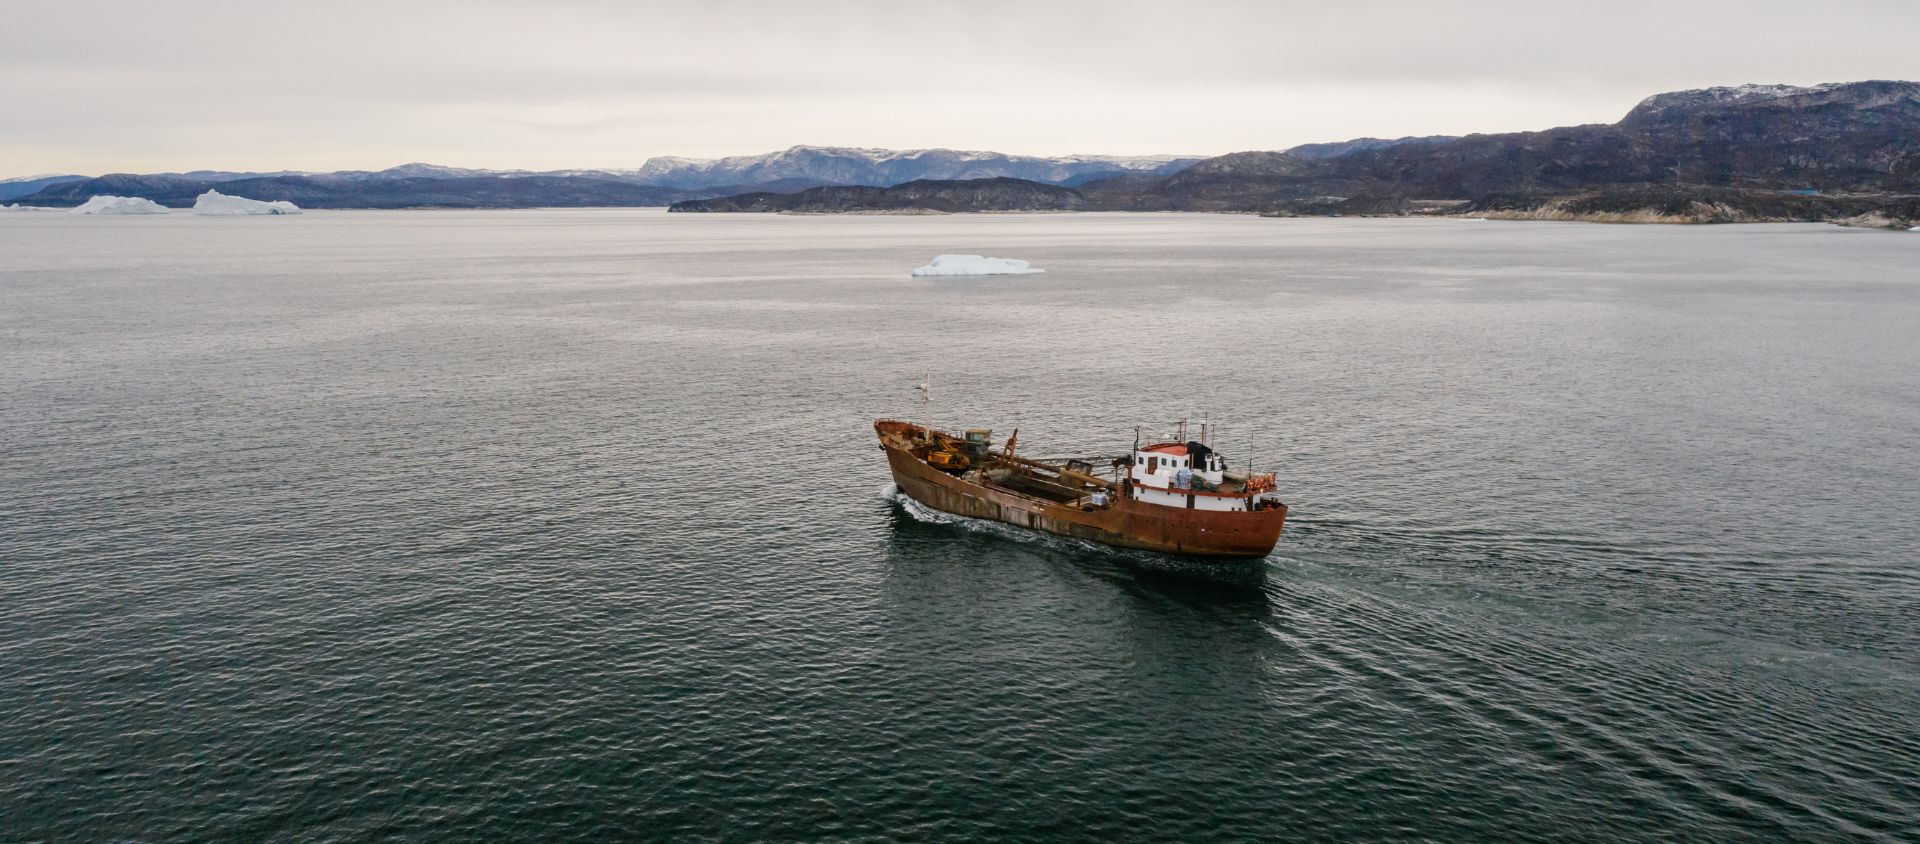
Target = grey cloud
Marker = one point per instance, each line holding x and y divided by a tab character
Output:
91	84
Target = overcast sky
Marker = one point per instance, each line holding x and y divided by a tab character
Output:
93	87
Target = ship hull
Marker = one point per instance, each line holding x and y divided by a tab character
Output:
1126	523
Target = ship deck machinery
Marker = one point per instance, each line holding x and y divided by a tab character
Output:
1175	497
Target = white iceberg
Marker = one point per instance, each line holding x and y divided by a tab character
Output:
119	205
976	265
216	204
1914	229
18	207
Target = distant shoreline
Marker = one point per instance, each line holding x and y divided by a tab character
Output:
1869	222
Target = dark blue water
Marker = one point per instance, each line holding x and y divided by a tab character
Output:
569	525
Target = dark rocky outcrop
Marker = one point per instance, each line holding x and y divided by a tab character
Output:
1705	204
925	195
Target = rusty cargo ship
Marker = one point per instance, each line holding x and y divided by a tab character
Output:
1176	496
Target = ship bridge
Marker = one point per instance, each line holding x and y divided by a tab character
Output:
1190	475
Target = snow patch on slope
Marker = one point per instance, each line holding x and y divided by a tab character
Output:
879	167
1724	95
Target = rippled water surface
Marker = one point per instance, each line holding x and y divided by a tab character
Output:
570	525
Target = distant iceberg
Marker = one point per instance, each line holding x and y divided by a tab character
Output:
216	204
976	265
18	207
120	205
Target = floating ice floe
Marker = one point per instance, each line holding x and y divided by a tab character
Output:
976	265
19	207
119	205
216	204
1914	229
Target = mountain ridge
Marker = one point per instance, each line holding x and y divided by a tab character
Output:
1339	148
1693	149
1836	151
29	185
794	168
1857	137
884	167
919	196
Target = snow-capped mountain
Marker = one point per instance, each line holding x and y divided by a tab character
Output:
421	170
794	168
1724	95
885	167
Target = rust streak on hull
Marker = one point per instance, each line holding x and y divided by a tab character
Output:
1127	522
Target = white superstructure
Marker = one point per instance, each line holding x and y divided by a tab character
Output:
1189	475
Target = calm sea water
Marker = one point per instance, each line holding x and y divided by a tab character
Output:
570	525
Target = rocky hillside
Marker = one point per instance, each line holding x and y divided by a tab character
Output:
29	185
1861	137
926	195
1704	204
1241	181
1340	148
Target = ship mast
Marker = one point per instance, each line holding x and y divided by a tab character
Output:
926	403
1126	477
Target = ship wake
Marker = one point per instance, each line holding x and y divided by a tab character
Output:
923	513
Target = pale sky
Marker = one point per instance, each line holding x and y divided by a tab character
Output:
92	87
